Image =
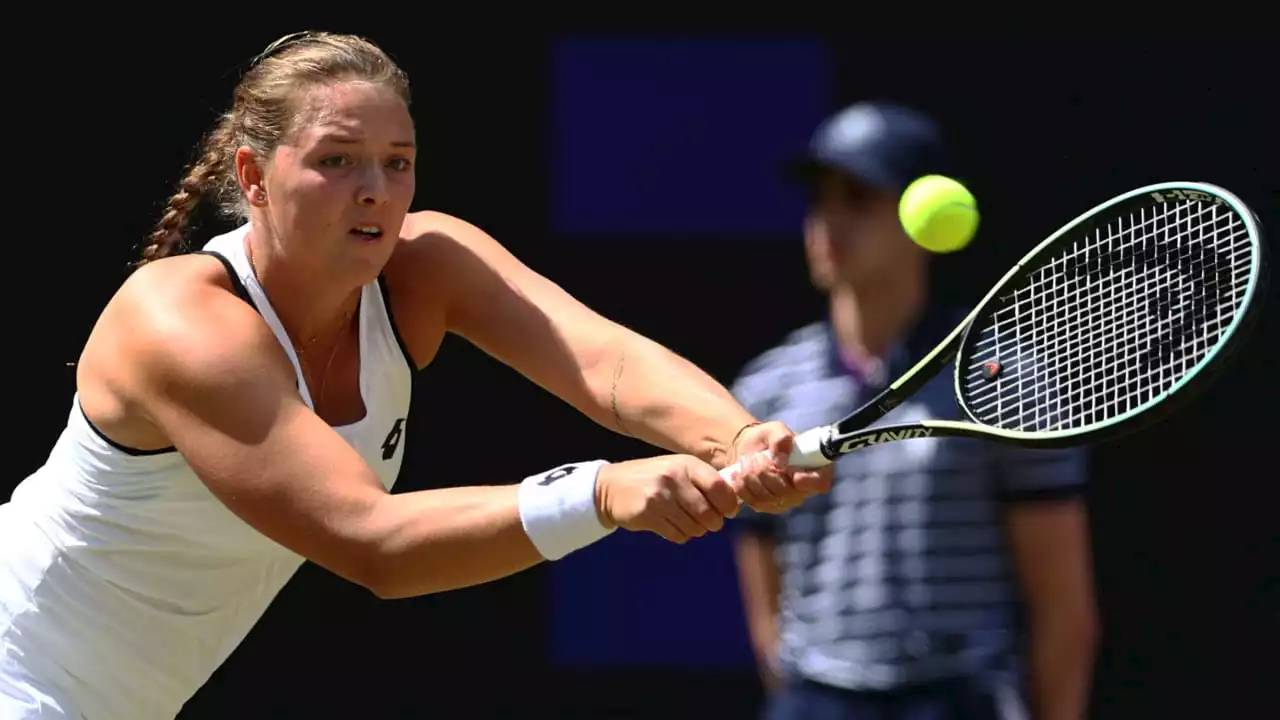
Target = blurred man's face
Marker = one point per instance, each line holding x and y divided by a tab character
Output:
854	235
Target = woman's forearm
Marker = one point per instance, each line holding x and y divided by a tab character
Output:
648	392
436	540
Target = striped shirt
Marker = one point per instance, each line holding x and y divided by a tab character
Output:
899	575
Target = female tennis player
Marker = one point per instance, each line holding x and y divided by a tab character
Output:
243	408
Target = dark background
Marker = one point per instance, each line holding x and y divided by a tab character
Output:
638	172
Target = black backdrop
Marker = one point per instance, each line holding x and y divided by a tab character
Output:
1185	536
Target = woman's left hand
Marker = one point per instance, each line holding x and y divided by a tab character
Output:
762	479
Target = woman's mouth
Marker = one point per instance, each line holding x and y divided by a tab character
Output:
367	233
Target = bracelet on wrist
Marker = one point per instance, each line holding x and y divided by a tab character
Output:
744	428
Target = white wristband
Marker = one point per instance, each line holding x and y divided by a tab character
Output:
558	509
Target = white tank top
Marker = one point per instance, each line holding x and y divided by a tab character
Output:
124	583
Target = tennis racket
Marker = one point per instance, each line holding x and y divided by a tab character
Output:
1105	327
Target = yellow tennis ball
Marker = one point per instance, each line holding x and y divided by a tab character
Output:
938	213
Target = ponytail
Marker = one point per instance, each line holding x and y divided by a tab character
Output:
204	181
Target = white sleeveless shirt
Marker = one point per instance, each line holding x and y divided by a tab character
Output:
124	583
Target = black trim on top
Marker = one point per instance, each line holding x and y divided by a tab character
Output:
122	448
237	286
236	283
391	318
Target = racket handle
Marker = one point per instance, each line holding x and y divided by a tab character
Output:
806	454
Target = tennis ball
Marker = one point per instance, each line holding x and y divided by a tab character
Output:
938	213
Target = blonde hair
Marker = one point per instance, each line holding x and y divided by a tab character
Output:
263	112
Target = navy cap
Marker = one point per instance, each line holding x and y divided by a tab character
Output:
883	144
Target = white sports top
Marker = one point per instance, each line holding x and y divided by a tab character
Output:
124	583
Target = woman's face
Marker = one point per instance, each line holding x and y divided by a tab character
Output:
341	181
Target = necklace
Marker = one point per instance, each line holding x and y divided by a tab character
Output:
304	350
333	353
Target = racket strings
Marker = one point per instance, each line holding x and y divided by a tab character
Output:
1113	321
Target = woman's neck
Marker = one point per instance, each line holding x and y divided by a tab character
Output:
312	311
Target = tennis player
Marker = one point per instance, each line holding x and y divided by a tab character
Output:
243	408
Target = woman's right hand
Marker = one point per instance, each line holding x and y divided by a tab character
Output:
676	496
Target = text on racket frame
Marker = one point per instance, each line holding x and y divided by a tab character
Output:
883	436
1192	195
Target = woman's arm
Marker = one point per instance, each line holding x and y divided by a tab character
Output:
207	372
613	375
214	380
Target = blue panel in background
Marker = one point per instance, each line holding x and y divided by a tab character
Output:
656	136
652	138
636	600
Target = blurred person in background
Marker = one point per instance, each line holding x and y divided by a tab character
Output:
940	578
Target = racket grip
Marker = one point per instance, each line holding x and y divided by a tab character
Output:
806	454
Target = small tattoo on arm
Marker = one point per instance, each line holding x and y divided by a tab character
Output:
613	394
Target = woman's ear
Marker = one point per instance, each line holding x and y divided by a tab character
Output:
250	177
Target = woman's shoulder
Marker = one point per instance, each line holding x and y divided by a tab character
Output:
175	328
449	248
424	225
183	289
442	268
179	309
444	253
